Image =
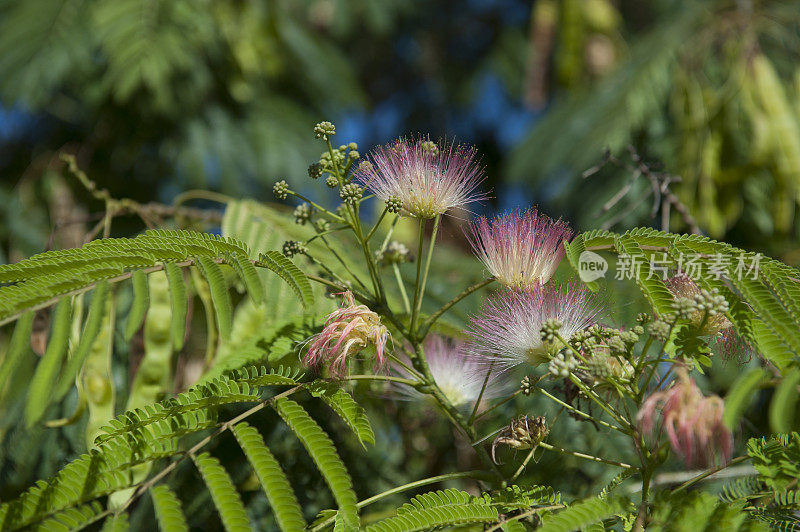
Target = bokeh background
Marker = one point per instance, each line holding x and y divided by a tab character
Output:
676	114
156	97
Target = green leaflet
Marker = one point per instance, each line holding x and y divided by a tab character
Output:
273	480
72	519
346	407
782	411
223	493
168	510
740	395
435	509
19	346
141	301
219	295
40	391
247	272
578	515
91	329
324	454
290	273
42	278
116	523
179	304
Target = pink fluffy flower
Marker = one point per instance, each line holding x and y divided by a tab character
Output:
427	178
692	421
347	332
459	376
521	249
508	328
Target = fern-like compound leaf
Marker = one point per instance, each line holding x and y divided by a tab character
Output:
740	395
223	493
247	272
116	523
290	273
72	519
40	393
219	295
17	347
782	411
168	510
582	514
179	304
438	509
346	407
324	454
141	301
273	480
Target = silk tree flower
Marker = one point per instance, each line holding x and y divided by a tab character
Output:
520	249
508	330
427	179
692	422
459	376
348	330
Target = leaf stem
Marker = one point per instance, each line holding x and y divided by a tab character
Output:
426	325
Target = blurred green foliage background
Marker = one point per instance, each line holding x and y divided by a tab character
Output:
159	96
695	100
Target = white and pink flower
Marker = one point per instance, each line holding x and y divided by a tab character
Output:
459	376
428	179
348	330
507	332
693	423
520	249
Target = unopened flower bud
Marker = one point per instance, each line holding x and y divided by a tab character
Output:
281	190
394	204
324	130
526	386
302	213
430	147
395	253
351	193
659	330
293	247
315	171
550	330
332	182
561	366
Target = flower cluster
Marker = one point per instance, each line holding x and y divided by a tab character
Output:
508	330
692	422
427	181
347	332
520	249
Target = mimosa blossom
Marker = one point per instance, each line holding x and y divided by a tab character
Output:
348	330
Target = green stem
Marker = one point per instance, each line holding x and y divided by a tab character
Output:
420	243
692	481
402	287
522	466
480	395
342	262
426	325
418	302
387	378
580	412
207	195
585	456
493	407
377	224
477	475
